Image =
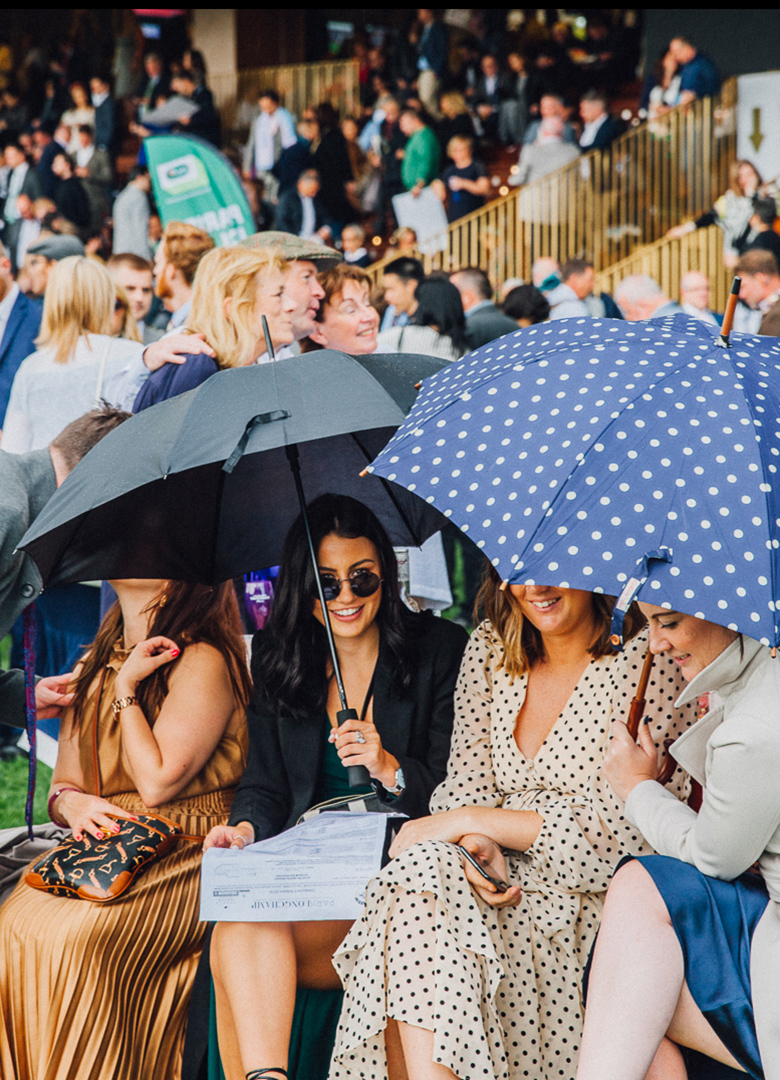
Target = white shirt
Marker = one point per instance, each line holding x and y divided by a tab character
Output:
29	231
6	304
15	182
84	155
589	130
309	218
353	256
47	395
270	130
704	316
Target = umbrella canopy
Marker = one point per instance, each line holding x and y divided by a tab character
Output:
153	500
590	452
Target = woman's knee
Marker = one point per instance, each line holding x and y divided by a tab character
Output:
633	889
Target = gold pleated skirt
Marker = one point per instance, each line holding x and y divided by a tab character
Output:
100	992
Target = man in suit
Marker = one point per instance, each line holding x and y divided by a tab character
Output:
23	232
641	297
154	84
492	90
432	45
71	195
27	482
105	113
22	180
600	128
484	322
49	146
300	212
20	323
93	169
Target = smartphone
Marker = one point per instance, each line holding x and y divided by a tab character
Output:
501	886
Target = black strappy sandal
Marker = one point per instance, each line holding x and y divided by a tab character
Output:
258	1074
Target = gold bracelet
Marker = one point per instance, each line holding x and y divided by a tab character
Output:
122	703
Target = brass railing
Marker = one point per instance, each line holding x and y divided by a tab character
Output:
605	204
298	85
667	260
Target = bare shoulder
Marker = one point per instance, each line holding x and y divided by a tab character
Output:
202	660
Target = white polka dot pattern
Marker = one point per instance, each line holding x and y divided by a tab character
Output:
501	990
568	450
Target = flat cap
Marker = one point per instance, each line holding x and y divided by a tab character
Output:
57	247
295	247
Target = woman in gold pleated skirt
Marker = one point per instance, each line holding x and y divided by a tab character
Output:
100	991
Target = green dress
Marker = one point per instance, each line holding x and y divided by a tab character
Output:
317	1012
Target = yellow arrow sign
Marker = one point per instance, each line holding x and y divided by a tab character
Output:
756	138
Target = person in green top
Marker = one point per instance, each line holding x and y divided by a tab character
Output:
399	671
420	163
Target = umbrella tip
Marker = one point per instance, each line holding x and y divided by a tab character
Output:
364	472
503	586
774	651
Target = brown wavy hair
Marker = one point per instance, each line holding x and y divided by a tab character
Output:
188	614
522	643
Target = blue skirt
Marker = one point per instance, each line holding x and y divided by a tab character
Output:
714	921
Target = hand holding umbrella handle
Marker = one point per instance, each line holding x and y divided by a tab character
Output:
358	775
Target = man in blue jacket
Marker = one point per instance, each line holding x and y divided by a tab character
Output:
20	323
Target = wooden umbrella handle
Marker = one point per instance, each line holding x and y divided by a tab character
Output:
637	708
728	316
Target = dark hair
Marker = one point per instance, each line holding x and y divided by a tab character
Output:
269	92
406	268
475	278
765	210
575	266
439	304
526	302
87	129
80	435
327	117
186	613
757	262
294	647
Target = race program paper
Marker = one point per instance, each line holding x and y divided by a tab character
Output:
316	870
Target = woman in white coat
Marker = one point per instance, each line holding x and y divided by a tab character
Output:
688	950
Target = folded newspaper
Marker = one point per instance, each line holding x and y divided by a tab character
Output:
316	870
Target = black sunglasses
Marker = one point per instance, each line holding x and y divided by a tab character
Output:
363	583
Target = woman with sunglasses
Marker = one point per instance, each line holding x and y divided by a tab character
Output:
399	671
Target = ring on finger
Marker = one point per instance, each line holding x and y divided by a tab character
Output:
360	737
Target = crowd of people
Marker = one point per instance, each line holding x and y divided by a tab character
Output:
506	742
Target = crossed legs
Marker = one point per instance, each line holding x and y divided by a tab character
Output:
639	1006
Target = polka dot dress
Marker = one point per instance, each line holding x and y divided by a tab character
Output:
501	990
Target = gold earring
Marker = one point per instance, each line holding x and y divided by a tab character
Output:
163	600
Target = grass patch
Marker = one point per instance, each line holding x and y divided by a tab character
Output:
13	793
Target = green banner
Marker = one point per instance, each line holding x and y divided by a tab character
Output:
193	182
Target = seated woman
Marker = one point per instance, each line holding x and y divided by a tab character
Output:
232	290
444	975
102	990
687	954
399	671
437	327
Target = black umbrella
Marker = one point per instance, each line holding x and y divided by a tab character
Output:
199	488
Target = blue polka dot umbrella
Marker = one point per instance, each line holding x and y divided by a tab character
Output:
627	458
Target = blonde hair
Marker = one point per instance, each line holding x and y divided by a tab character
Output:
456	100
184	246
231	272
129	331
79	300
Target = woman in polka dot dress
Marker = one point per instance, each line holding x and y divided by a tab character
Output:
444	975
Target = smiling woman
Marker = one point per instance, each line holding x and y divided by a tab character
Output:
399	672
346	320
446	975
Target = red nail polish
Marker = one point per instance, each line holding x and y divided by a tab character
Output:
174	653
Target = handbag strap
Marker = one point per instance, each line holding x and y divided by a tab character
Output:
95	758
96	763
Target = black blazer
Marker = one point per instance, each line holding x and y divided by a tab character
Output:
289	212
285	756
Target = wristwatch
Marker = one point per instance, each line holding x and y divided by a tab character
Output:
399	783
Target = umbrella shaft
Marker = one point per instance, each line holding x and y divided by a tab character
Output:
292	457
